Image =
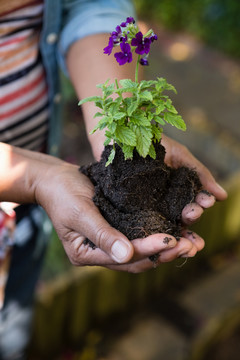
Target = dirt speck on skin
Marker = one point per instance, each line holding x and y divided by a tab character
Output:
142	196
166	240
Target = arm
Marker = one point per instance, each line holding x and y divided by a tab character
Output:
87	67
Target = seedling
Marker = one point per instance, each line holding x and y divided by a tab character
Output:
132	112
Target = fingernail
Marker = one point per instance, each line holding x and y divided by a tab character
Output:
119	251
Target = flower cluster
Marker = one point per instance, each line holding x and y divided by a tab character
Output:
130	39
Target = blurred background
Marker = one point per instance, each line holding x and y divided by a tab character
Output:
180	311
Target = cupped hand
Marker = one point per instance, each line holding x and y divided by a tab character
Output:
66	195
178	155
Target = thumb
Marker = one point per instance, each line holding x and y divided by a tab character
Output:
105	237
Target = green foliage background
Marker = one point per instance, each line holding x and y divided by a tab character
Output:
216	22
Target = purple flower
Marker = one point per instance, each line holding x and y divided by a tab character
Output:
116	34
108	49
144	61
142	44
153	37
129	20
125	55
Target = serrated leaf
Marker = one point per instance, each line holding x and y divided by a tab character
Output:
157	132
144	138
160	107
170	107
175	120
152	152
119	115
90	98
127	151
111	157
139	120
146	84
146	95
100	125
101	86
163	85
132	107
98	114
109	90
112	127
150	116
107	141
159	120
108	134
125	135
127	83
99	104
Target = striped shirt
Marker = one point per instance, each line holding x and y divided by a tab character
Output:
23	85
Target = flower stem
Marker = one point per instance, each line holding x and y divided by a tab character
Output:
136	71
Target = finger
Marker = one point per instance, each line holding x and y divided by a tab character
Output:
152	244
178	155
205	199
191	213
95	256
209	183
136	267
184	248
93	226
194	238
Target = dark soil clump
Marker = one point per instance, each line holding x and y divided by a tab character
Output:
141	197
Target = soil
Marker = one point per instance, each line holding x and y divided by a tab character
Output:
142	196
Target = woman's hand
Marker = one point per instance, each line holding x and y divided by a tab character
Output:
66	195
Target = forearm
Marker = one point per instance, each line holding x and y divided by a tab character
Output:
19	173
89	66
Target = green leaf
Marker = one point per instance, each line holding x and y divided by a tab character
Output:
157	132
109	90
107	141
109	134
101	86
127	151
159	120
125	135
119	115
163	85
132	107
146	95
152	152
112	127
100	125
146	84
160	107
144	138
99	104
111	157
90	98
170	107
139	120
175	120
128	84
98	114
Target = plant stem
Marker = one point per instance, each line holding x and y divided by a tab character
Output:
136	71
